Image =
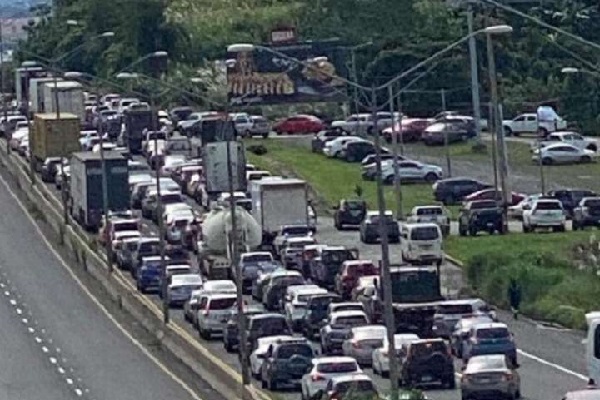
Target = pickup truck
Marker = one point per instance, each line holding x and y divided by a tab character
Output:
361	124
436	214
573	138
528	123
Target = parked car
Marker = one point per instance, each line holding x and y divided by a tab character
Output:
528	123
544	213
260	127
480	215
369	161
434	214
516	211
411	130
243	124
490	374
569	198
324	369
452	190
494	194
349	212
411	171
440	133
566	137
428	361
562	153
334	147
318	141
299	124
363	124
369	228
587	213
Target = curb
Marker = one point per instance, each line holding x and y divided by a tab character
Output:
172	337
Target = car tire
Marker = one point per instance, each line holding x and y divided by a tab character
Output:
228	348
265	135
574	225
472	231
462	231
547	161
526	229
586	159
431	177
592	147
508	131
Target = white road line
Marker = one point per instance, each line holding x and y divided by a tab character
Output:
63	263
552	365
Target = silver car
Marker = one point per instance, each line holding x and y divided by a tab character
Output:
213	313
562	153
323	369
449	312
181	287
490	376
363	341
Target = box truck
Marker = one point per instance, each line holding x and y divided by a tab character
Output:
36	93
70	98
52	137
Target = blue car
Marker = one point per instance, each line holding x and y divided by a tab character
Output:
490	338
149	277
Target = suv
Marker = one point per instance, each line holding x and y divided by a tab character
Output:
570	198
263	325
318	141
587	213
286	362
316	314
490	338
480	215
338	327
327	263
435	214
350	273
349	212
357	151
452	190
369	228
428	361
544	213
231	334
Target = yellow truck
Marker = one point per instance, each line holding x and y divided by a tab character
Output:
53	137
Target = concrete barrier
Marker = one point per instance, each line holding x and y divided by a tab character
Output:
172	337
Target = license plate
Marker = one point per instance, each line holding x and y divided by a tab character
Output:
490	224
426	378
484	380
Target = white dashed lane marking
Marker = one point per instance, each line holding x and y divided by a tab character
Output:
41	337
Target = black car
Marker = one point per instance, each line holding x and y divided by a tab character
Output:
349	212
587	213
50	168
327	263
231	333
369	228
480	215
452	190
316	314
275	292
286	362
570	198
426	362
356	151
263	325
318	141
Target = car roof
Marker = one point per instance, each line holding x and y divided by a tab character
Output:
369	328
413	225
333	360
374	213
423	341
268	316
257	253
186	279
460	302
300	239
492	325
350	378
348	313
358	262
348	303
218	296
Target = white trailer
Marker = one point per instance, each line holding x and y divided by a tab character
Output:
70	98
36	93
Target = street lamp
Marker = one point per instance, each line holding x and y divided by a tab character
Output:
161	227
385	257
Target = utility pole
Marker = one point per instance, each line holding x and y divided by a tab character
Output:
385	257
354	78
109	253
400	112
2	83
446	144
492	127
474	78
498	128
397	180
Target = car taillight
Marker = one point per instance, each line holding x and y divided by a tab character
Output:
356	345
465	378
205	312
384	353
508	376
317	377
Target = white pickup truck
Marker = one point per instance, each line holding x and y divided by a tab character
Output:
573	138
361	124
528	123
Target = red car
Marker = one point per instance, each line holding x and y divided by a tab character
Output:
488	194
412	129
299	124
350	273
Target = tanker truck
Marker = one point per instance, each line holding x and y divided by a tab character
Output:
215	247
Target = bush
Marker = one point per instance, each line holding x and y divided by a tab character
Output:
257	149
553	290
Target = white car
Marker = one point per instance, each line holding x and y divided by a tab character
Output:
323	369
106	146
213	313
262	346
292	252
170	162
334	147
411	171
119	236
562	153
436	214
181	287
528	123
544	213
568	137
178	269
363	341
516	211
381	356
243	124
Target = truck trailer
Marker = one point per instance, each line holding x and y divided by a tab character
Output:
87	199
52	137
36	93
136	121
69	95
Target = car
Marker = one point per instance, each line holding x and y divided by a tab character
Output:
409	130
180	113
147	247
289	231
263	325
327	262
587	213
528	123
316	314
119	237
258	356
263	280
260	127
440	133
434	214
569	198
355	151
480	215
546	214
411	171
452	190
428	361
371	159
568	137
422	243
494	194
349	212
296	300
181	287
516	211
340	306
251	264
50	168
362	341
274	293
363	123
148	276
585	394
318	141
299	124
381	356
349	387
125	253
324	369
562	153
286	362
450	312
291	254
461	331
231	334
333	148
191	307
339	324
219	286
213	313
490	338
490	375
349	274
369	228
243	123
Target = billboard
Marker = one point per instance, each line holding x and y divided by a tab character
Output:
264	77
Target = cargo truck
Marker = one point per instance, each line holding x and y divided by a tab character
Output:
278	202
87	200
214	164
136	121
52	137
22	78
69	95
36	93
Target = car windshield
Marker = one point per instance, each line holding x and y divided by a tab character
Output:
171	198
592	203
222	304
386	218
296	230
430	211
548	205
455	309
126	226
321	302
337	367
479	205
290	350
287	280
256	258
428	348
149	247
425	233
487	362
350	321
362	386
362	270
273	324
303	298
492	333
334	256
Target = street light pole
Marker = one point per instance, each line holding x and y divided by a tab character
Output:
109	252
498	128
446	144
397	180
474	78
354	78
388	310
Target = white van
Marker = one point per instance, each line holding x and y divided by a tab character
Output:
422	243
592	346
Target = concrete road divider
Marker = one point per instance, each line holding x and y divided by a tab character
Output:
173	338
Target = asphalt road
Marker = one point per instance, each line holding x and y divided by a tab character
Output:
551	360
55	341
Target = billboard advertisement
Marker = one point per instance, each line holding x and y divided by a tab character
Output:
265	77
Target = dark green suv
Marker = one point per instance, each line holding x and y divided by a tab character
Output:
480	215
286	362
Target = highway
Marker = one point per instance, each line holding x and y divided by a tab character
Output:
551	359
56	340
